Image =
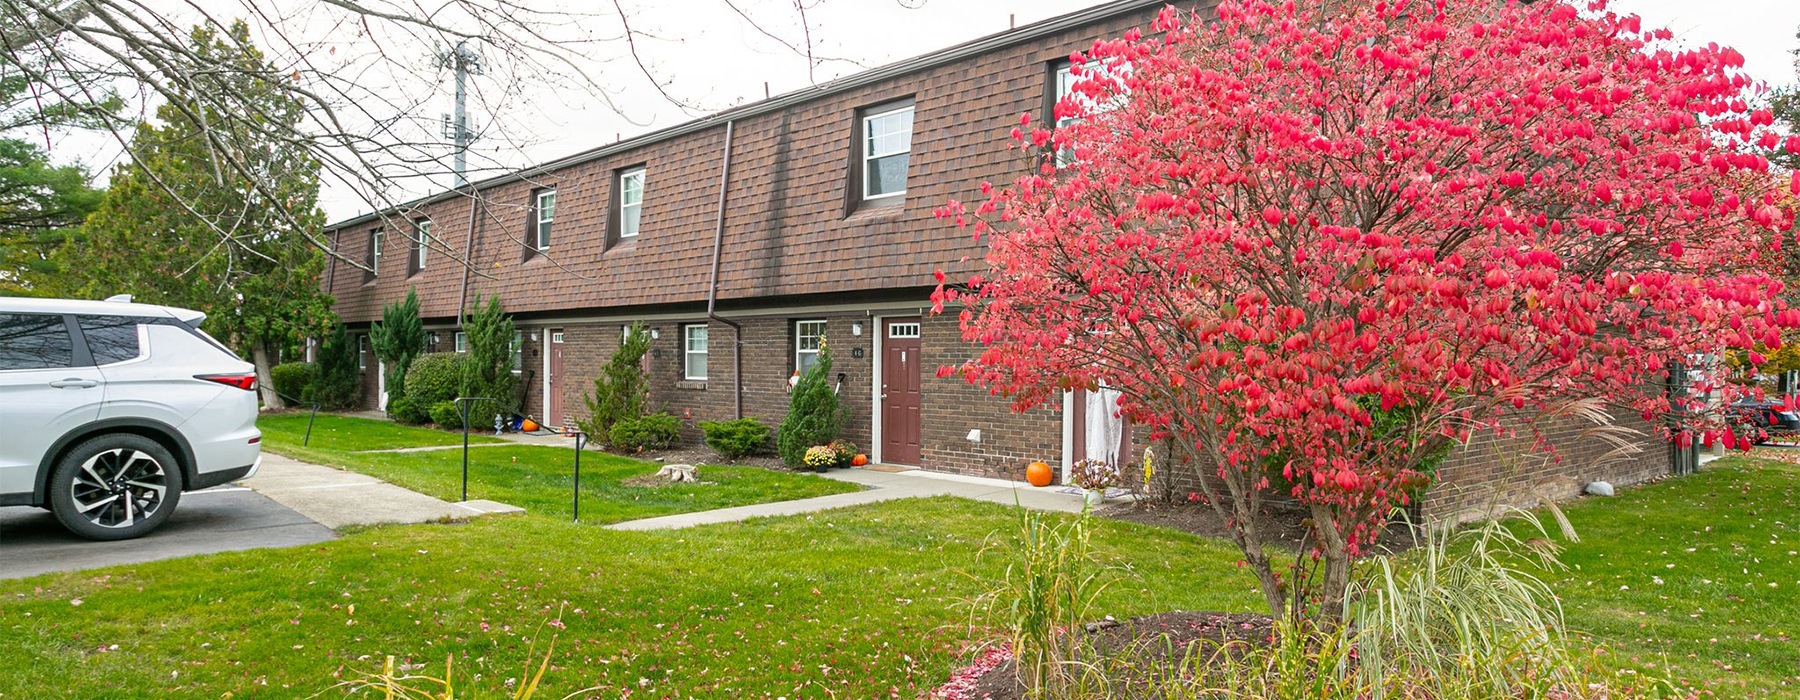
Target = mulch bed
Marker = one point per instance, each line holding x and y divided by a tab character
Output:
1163	639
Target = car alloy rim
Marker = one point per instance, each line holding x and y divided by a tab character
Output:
119	488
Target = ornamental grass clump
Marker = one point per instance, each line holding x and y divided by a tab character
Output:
1048	591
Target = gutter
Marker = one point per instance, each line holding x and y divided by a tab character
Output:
712	287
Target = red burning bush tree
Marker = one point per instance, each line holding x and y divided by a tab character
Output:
1317	247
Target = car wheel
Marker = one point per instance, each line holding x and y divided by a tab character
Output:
115	487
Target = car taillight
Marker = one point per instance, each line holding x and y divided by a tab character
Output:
247	381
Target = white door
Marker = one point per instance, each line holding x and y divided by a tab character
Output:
381	385
42	395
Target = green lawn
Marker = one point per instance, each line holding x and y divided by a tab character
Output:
1696	578
854	603
339	433
538	479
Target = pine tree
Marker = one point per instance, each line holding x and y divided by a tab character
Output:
398	339
621	389
488	371
813	415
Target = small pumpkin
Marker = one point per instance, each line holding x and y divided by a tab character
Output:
859	460
1039	474
529	426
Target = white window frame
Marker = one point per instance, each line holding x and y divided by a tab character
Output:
801	352
869	157
375	251
460	342
362	353
625	203
518	351
688	351
422	237
1065	85
544	215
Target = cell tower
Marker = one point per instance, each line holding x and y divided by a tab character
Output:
466	63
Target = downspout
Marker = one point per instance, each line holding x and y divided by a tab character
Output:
712	288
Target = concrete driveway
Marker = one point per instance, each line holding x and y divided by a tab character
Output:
222	519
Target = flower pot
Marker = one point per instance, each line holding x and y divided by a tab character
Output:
1093	498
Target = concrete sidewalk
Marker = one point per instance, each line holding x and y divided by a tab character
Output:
881	486
336	498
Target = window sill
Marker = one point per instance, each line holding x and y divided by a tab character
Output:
879	209
691	384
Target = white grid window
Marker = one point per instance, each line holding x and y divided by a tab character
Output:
695	338
421	239
546	213
631	201
887	144
808	337
903	330
462	341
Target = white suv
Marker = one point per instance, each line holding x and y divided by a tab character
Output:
109	410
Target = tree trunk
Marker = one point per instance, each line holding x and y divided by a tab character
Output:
265	384
1334	584
1238	509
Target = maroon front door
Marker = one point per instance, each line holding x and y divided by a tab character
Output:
900	391
553	404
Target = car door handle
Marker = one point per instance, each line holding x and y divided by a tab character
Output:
74	383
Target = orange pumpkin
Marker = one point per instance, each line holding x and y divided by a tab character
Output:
859	460
1039	474
529	426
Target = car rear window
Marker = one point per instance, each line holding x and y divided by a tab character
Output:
35	341
111	338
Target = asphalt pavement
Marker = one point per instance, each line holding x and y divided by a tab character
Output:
221	519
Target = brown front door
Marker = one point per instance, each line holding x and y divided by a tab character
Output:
900	391
553	404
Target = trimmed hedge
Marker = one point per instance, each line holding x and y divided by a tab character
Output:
295	380
404	410
736	438
434	378
652	432
444	414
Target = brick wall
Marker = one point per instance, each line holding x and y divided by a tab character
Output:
768	348
1494	471
952	407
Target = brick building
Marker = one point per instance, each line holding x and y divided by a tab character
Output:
742	238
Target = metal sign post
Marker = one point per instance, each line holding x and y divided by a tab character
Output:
580	442
462	411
